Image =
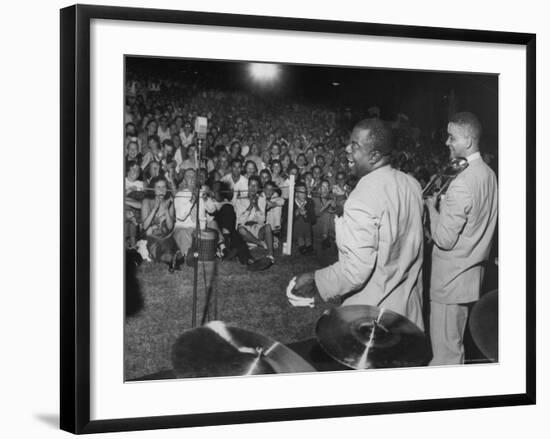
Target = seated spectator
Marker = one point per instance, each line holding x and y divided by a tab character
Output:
235	151
266	159
154	152
301	162
251	223
303	220
153	170
158	223
134	194
325	210
250	169
185	205
187	135
163	131
223	165
275	151
172	177
131	135
214	176
190	162
132	153
222	212
265	176
310	157
254	155
168	151
180	156
285	162
237	183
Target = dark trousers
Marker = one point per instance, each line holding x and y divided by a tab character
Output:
226	219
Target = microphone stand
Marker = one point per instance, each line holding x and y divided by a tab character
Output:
197	231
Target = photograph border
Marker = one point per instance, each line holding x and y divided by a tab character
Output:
75	275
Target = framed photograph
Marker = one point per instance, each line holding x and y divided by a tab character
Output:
274	218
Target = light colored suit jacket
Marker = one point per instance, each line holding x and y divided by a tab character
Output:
463	233
380	246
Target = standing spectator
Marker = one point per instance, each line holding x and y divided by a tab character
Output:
325	210
341	192
304	219
278	178
274	209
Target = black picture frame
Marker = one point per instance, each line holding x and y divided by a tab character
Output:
75	217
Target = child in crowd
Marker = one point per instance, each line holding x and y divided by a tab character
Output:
304	219
325	210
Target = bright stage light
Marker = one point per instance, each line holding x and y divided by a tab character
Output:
262	72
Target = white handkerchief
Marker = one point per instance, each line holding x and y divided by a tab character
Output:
297	300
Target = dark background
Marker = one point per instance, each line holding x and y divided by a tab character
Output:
426	97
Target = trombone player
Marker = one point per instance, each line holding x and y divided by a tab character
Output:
462	232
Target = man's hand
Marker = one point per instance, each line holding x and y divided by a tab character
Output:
305	285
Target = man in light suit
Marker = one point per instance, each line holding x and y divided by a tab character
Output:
380	235
462	232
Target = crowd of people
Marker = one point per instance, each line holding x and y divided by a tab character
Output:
349	180
243	165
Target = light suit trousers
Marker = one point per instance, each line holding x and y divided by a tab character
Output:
447	325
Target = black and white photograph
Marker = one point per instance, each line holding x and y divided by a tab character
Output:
299	218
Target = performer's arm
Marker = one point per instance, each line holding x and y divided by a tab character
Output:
447	224
357	239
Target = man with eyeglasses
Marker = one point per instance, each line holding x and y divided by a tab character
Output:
379	236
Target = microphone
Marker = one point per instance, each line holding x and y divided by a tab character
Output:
201	127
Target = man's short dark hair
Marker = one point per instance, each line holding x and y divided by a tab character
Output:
380	135
469	120
236	160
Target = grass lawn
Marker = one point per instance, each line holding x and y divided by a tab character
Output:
253	301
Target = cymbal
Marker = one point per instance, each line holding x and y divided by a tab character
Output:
217	349
367	337
484	325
